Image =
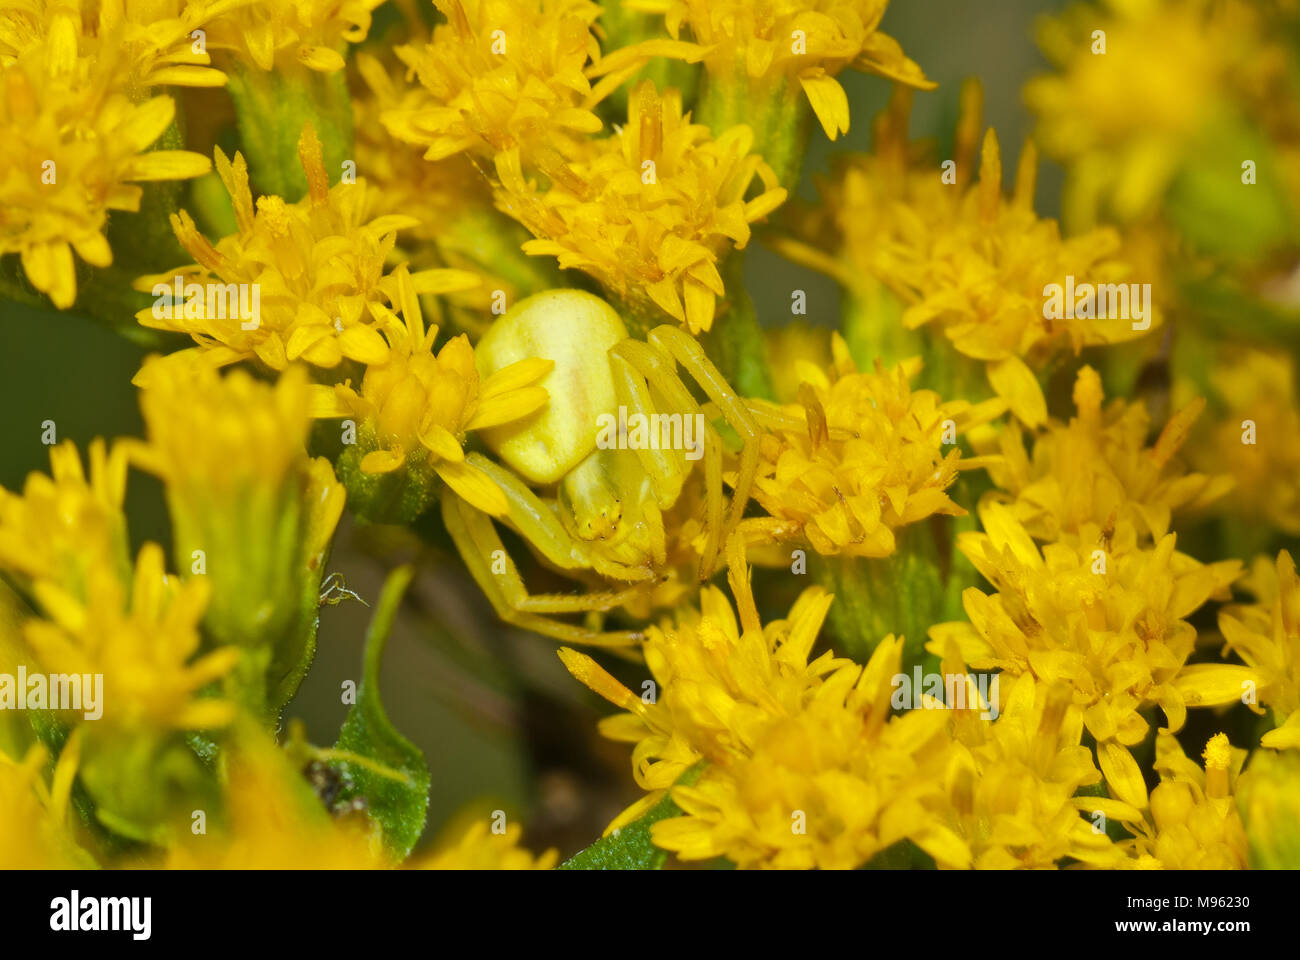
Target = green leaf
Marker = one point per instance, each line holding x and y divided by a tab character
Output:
398	796
629	848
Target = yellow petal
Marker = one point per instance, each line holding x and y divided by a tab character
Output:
382	461
828	101
443	443
1015	383
473	486
1122	774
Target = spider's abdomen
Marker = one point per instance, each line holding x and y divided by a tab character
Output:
575	330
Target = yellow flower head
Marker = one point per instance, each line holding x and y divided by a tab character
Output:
502	75
152	38
967	261
34	832
142	637
650	210
1094	480
1123	118
1268	798
307	271
73	147
1010	785
271	820
1193	822
310	32
250	511
809	41
1112	627
437	193
859	456
415	409
1266	635
66	524
1256	438
788	743
477	849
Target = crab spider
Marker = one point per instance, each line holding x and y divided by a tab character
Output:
586	507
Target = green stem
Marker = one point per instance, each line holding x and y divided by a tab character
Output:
272	108
903	594
775	110
736	341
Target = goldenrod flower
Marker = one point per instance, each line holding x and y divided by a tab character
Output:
1124	121
74	148
316	266
311	32
271	820
458	226
649	211
142	637
1256	435
502	75
414	409
34	831
1112	627
1094	480
66	524
250	511
805	766
1193	823
1266	635
1268	798
1010	785
478	849
808	41
155	39
858	457
968	262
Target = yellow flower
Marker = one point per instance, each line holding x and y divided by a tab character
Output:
65	525
1094	481
1124	121
142	637
808	41
1266	635
315	266
964	259
477	849
312	32
1268	798
415	408
649	211
154	38
805	767
1193	823
1010	784
859	456
34	832
1256	438
502	75
250	511
271	820
1112	627
458	226
74	146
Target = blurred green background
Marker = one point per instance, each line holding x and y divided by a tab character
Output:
501	724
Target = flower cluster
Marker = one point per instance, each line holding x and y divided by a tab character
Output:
985	564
